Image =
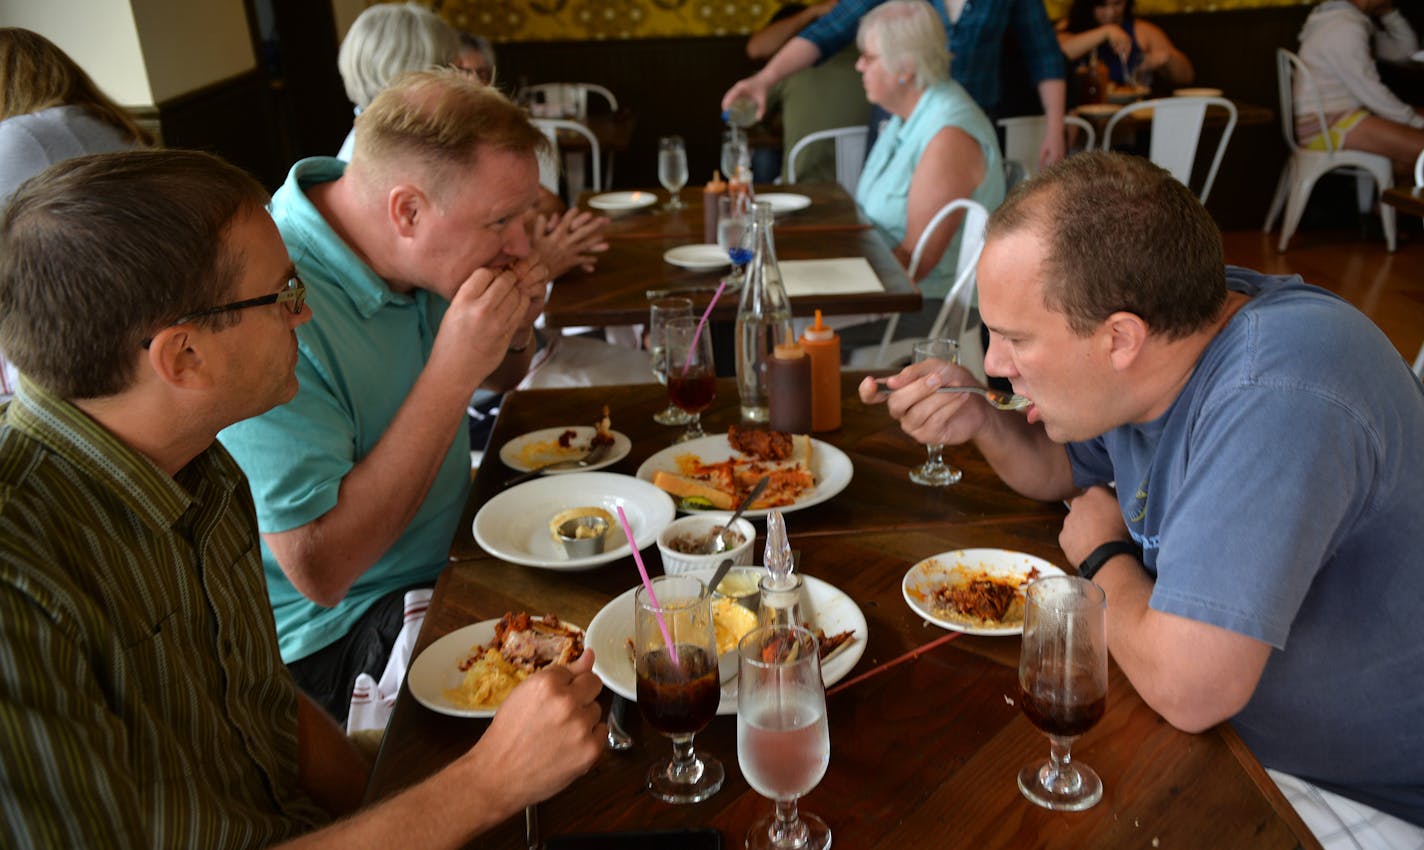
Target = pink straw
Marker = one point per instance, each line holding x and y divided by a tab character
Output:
648	584
702	323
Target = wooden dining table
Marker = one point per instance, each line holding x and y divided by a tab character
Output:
617	291
926	733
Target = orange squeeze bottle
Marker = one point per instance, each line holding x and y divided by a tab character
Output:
715	189
824	347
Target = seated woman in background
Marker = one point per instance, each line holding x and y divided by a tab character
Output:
938	146
1128	46
476	57
1339	43
51	111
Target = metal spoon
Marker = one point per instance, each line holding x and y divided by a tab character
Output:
997	399
718	544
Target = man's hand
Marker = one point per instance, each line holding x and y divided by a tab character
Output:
928	416
1118	40
1094	518
753	87
487	311
547	734
570	240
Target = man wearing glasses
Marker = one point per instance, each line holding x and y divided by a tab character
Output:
143	700
424	288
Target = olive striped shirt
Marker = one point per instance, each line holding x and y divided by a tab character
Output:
143	702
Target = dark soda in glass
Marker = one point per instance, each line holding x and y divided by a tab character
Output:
678	699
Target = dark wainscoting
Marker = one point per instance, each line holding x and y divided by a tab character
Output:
235	119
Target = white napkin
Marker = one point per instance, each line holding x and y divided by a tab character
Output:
372	701
843	276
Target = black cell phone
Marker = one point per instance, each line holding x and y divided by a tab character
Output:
652	839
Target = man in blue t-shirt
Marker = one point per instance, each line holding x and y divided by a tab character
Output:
423	288
1244	460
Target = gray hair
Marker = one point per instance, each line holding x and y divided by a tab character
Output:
388	40
910	38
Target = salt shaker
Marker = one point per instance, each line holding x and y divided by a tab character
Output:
780	589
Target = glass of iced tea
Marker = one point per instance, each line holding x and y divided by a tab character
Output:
678	686
1063	685
691	376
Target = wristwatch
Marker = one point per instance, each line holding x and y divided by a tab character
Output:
1104	553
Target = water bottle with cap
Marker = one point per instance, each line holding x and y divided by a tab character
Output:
763	319
742	113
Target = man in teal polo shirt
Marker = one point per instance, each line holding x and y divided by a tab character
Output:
423	289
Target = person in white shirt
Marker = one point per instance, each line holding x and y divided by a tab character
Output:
1339	44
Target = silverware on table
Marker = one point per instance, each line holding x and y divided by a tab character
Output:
718	542
998	399
531	828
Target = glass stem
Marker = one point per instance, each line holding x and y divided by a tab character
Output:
1063	777
788	830
684	767
935	455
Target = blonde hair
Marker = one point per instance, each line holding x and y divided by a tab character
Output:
440	121
389	39
36	75
910	37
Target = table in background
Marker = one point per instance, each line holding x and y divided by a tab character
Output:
616	292
923	754
1408	199
1247	115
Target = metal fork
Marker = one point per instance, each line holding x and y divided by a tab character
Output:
596	454
996	398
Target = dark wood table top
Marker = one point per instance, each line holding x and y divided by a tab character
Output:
616	292
1409	199
923	752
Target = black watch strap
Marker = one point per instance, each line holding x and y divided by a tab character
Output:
1104	553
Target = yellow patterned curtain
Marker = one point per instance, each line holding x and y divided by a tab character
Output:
594	20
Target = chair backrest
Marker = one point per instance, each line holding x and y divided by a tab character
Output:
568	100
1419	358
1419	170
959	301
550	127
850	153
1176	132
1023	136
1294	82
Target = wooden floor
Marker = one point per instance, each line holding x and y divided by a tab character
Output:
1389	288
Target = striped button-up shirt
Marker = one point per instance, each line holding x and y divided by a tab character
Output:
142	699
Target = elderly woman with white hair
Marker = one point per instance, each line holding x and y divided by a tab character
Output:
938	145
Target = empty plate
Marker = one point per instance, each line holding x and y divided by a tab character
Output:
784	202
700	257
618	201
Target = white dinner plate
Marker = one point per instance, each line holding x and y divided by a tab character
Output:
829	464
824	607
920	582
700	257
784	202
621	201
514	525
512	452
436	670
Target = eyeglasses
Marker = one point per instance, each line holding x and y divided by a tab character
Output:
294	295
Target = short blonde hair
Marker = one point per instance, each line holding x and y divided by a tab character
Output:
388	40
439	121
910	37
35	74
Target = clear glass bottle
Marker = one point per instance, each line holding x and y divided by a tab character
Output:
763	319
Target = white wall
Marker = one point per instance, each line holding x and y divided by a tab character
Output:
346	11
143	52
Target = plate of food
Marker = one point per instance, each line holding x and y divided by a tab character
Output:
784	202
698	257
519	524
470	672
839	620
622	201
540	448
715	472
976	591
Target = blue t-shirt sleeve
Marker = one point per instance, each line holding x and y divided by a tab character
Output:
1091	463
1275	472
295	455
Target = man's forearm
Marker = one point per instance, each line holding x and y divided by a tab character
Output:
1025	458
798	55
329	767
1053	95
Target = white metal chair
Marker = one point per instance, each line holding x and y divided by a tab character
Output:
573	165
1305	166
1023	136
954	315
1176	133
570	100
1419	358
1419	170
850	153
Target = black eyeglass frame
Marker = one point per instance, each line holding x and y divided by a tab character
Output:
294	295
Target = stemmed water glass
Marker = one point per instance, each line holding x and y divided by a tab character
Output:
934	472
672	169
734	152
733	230
678	688
692	378
658	314
1063	684
783	741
